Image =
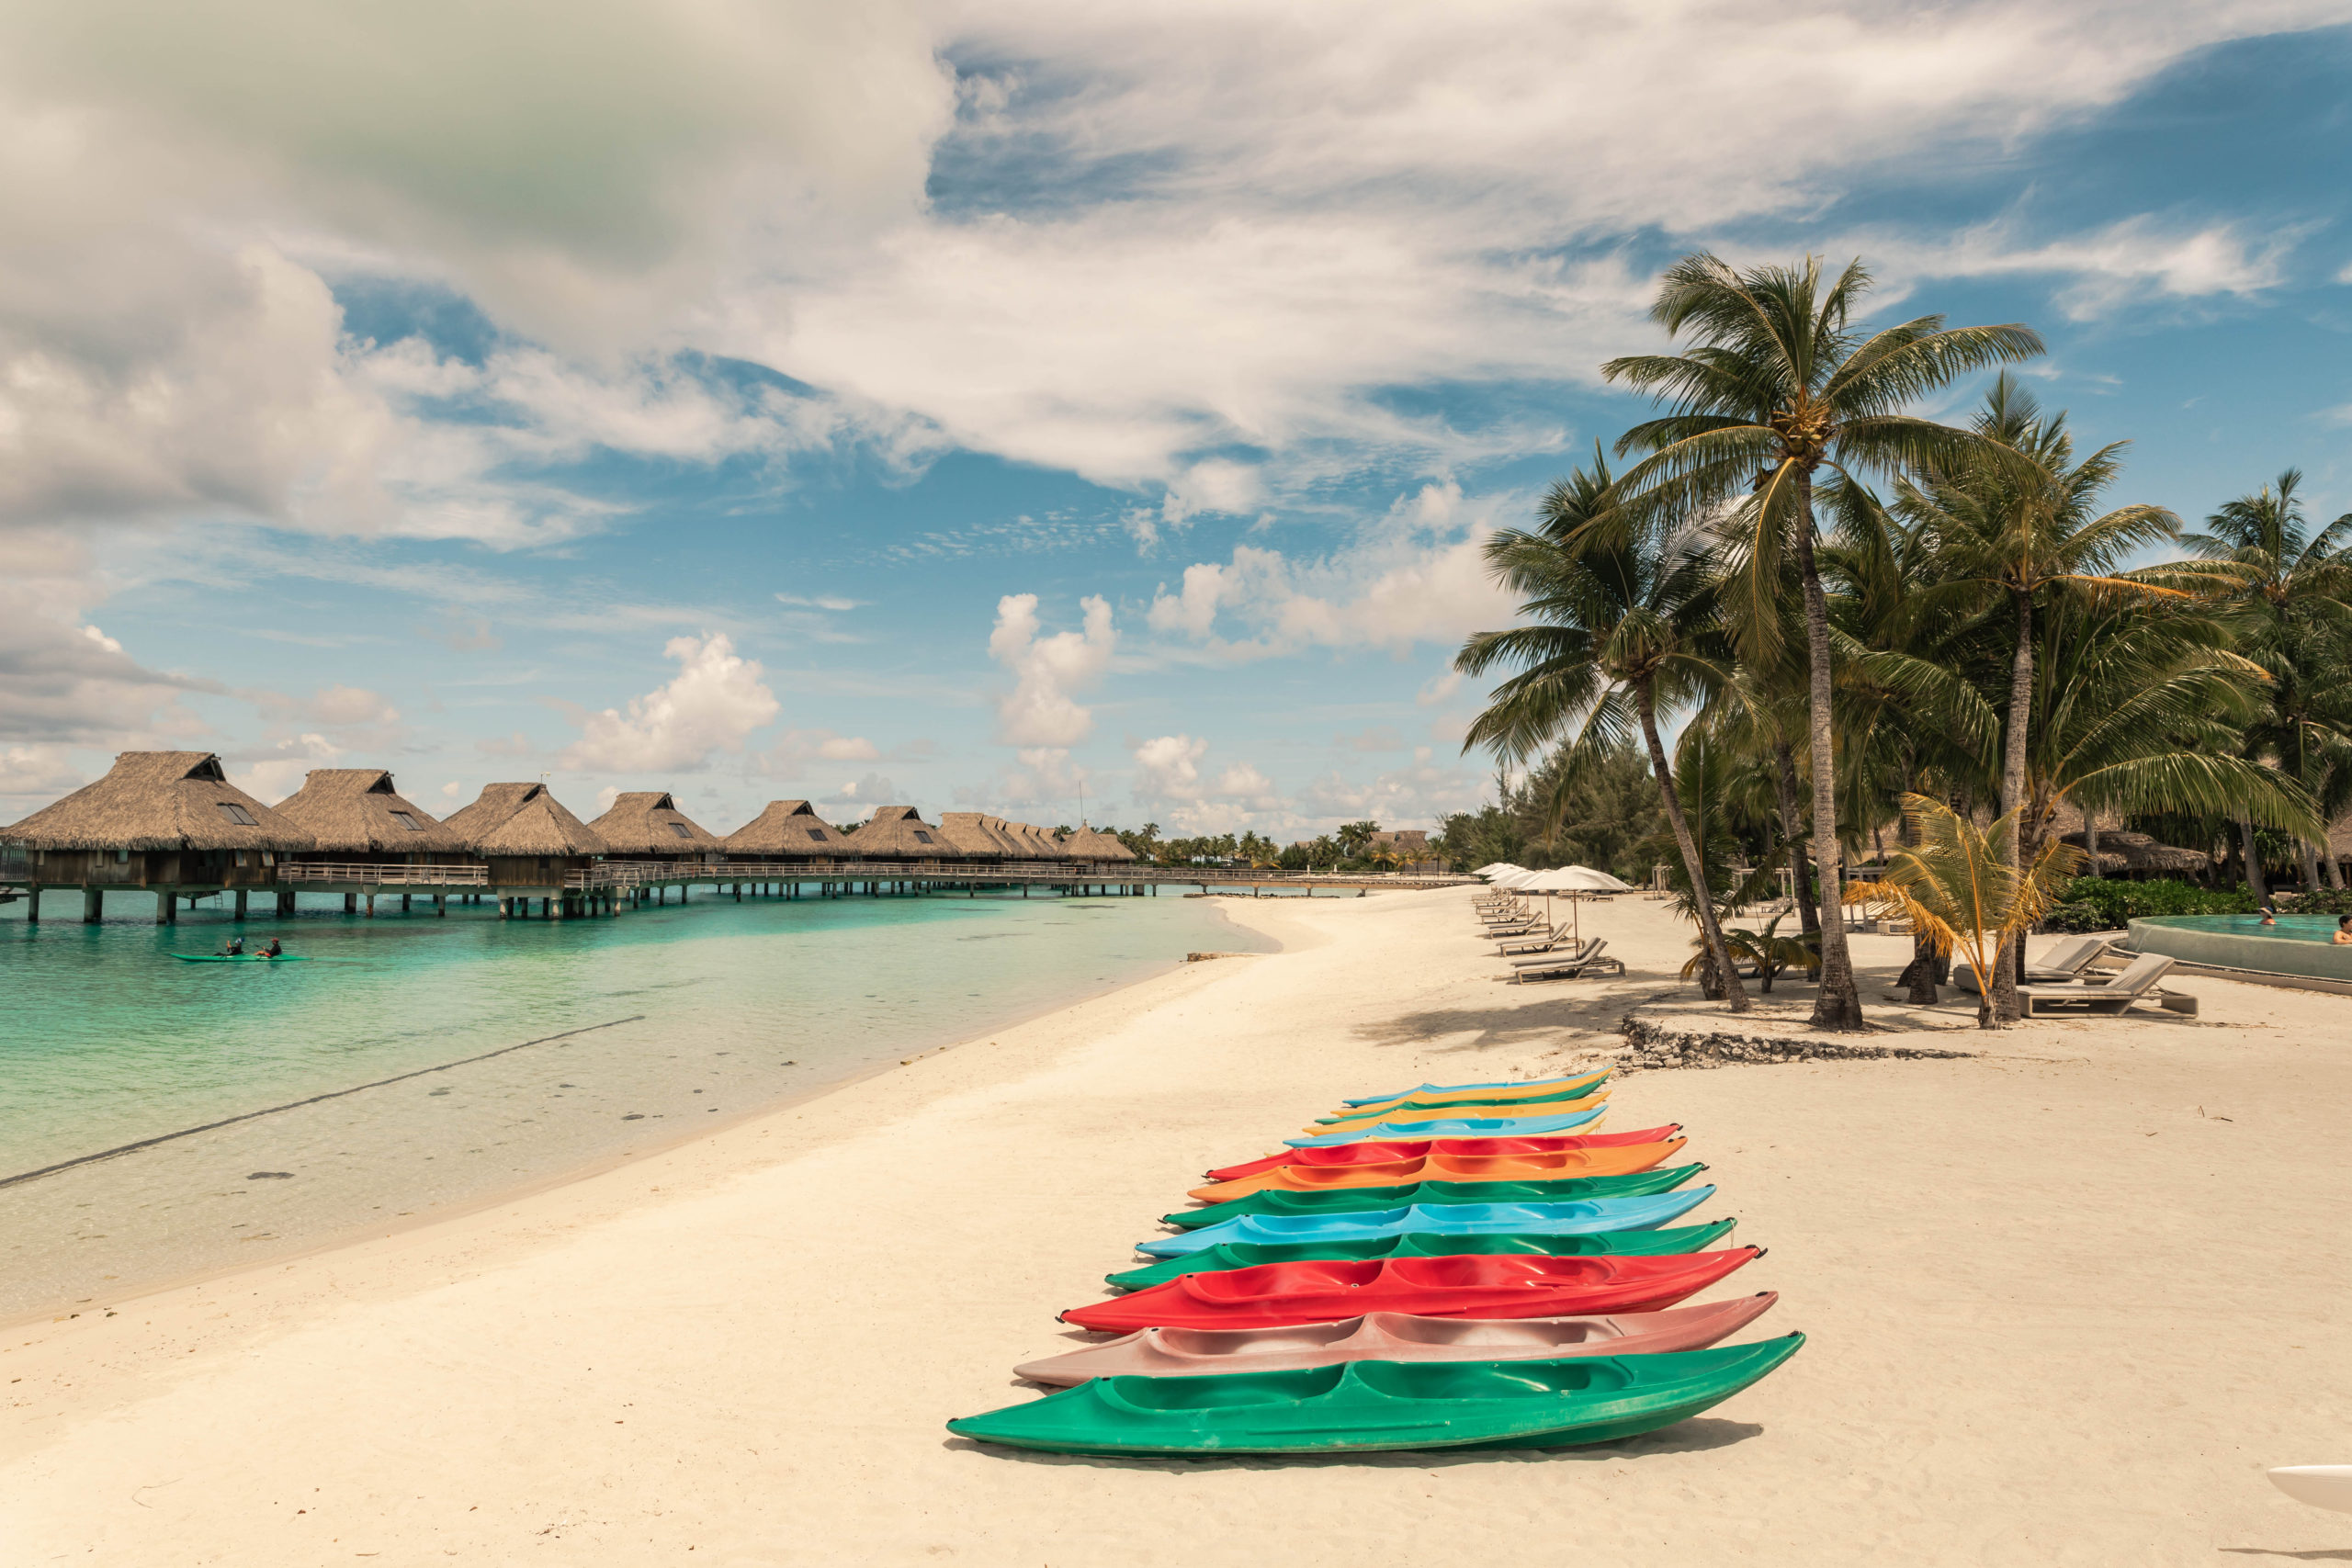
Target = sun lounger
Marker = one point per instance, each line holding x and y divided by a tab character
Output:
1543	939
2137	982
2065	962
1566	965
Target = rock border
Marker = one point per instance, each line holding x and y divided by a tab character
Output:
1650	1045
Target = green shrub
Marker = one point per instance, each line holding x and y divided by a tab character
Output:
2098	904
2319	901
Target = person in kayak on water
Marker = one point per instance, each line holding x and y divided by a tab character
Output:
236	946
273	950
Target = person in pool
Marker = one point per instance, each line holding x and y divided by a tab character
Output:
2342	937
273	950
2269	916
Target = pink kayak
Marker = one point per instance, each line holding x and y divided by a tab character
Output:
1398	1337
1419	1148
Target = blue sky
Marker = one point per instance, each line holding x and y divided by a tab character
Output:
972	407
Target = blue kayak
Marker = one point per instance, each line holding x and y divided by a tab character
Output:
1460	1089
1473	1127
1587	1217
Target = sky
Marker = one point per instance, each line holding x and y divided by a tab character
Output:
1048	409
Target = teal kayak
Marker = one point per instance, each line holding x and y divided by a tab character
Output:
1250	1254
1463	1088
1359	1407
239	958
1356	1200
1593	1216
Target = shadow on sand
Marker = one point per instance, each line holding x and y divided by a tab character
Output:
1696	1436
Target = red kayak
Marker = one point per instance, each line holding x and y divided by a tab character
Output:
1420	1148
1509	1285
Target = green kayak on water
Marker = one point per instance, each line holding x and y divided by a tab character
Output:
1359	1200
1248	1255
1369	1406
239	958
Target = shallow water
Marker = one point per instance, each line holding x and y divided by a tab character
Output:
105	1040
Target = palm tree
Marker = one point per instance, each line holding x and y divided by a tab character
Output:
2288	588
1958	885
1775	384
2025	533
1622	630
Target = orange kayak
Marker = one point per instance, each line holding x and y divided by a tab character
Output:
1408	1113
1545	1088
1547	1167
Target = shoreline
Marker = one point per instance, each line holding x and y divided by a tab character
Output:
744	1347
343	1236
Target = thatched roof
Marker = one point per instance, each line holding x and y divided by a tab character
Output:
789	829
2121	851
1041	844
355	811
159	800
647	822
896	833
967	834
521	820
2066	821
1094	844
2339	837
1008	839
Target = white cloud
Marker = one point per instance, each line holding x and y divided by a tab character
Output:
863	796
1439	689
62	679
1421	576
272	774
795	748
1168	773
2118	264
1042	709
715	701
336	705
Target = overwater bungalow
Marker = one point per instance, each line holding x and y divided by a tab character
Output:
168	822
532	846
368	837
967	834
1008	838
1093	846
1043	845
896	833
787	830
646	825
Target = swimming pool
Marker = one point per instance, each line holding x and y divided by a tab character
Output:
2298	945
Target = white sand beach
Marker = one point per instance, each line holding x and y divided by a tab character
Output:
2065	1302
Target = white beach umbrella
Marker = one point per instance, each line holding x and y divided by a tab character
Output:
1575	881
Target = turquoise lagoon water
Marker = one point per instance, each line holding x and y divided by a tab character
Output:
105	1040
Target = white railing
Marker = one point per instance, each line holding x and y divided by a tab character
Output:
381	875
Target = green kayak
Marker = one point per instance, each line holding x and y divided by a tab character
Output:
1360	1406
1248	1255
1358	1200
239	958
1398	1113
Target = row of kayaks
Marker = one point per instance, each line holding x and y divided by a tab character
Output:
1398	1285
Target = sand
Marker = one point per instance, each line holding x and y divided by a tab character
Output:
2065	1301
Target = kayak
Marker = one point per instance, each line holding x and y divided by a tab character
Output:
1622	1161
1506	1087
1371	1405
1582	1216
1505	1104
2320	1485
240	958
1250	1254
1357	1200
1511	1285
1375	1152
1489	1127
1398	1337
1519	1110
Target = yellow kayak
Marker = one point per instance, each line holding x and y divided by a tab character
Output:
1420	1100
1526	1111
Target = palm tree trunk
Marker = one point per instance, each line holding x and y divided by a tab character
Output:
2003	991
1702	896
1838	1004
2254	878
2310	861
2090	843
1784	784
